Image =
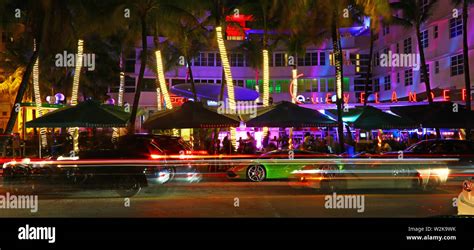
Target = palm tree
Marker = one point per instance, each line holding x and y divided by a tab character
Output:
217	11
143	13
266	16
38	25
467	77
330	14
414	14
38	11
252	49
188	37
378	12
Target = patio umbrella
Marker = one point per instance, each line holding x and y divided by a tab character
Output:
439	115
190	115
374	118
287	114
88	114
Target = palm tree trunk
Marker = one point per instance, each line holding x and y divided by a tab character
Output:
191	78
369	67
467	77
138	90
161	79
424	71
21	92
160	73
221	94
339	73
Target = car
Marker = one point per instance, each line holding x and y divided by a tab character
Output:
465	201
162	148
125	169
277	164
442	148
362	172
438	148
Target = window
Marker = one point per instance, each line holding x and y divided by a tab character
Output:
322	85
322	58
218	60
457	65
407	46
239	83
331	85
201	60
130	61
309	59
236	60
435	31
304	85
408	77
424	39
314	58
279	59
129	84
315	85
386	83
455	27
210	59
422	76
376	85
149	84
345	84
282	85
436	67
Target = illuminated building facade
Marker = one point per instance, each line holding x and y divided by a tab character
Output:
390	85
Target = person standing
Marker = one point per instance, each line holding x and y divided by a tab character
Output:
16	145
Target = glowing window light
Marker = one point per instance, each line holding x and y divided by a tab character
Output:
161	79
36	90
75	89
266	79
357	63
226	67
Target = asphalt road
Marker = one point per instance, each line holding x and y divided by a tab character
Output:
223	198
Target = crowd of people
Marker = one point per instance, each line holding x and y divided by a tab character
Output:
309	142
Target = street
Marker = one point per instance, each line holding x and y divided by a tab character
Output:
223	198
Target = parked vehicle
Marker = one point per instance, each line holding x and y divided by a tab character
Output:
127	168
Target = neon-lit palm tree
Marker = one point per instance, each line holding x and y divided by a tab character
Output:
413	15
379	13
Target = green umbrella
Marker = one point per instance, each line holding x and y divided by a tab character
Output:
369	117
88	114
190	115
373	118
287	114
437	115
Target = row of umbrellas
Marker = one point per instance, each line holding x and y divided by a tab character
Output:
283	114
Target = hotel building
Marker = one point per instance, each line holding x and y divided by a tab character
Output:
390	85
